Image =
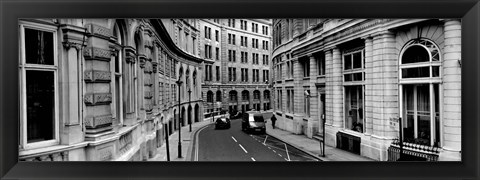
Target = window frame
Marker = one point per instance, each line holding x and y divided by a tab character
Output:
23	66
430	81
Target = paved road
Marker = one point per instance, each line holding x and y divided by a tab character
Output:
235	145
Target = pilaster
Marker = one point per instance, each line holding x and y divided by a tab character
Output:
451	68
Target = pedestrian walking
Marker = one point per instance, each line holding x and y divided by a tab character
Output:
273	121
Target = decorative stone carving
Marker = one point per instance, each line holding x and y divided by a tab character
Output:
100	31
105	154
92	122
97	98
68	45
93	53
141	60
97	76
154	67
124	143
148	44
148	95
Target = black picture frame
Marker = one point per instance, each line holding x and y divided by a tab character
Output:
11	11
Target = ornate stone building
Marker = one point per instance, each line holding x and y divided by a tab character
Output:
105	89
360	76
240	50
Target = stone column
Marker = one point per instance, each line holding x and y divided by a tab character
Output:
337	88
451	123
71	86
385	84
329	88
298	97
314	120
369	95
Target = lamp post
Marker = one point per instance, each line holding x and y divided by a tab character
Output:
179	83
166	139
189	103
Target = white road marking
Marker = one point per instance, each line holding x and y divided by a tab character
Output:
286	159
243	148
253	159
234	139
265	140
274	151
287	151
280	155
269	148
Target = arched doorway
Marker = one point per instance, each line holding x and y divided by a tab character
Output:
189	112
182	117
197	113
175	119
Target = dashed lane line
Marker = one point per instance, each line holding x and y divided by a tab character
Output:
243	148
253	159
234	139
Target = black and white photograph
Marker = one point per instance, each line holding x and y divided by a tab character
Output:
229	90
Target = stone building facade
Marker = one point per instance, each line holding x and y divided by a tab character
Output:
361	76
238	78
106	89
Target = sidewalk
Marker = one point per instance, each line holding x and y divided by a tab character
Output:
187	140
312	146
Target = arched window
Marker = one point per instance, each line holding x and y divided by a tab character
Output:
233	96
194	78
256	94
210	96
420	78
266	95
219	96
245	95
187	79
119	64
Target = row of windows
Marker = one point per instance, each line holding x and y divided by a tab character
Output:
305	67
243	26
233	95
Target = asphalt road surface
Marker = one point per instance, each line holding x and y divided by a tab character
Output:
235	145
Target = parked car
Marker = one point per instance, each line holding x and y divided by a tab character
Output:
223	122
253	122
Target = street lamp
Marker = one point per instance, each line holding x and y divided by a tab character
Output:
189	105
179	83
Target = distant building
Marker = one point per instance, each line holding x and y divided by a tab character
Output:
238	78
105	89
360	75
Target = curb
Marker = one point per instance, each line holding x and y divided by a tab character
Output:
193	142
300	148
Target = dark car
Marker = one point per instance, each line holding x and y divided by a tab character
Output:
253	122
223	122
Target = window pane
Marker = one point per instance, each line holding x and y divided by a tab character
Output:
357	60
357	76
415	54
38	47
416	72
435	71
348	77
348	62
40	105
353	108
